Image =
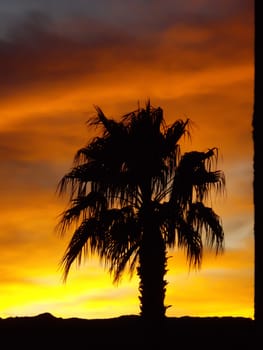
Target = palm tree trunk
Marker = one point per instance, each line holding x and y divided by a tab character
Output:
151	271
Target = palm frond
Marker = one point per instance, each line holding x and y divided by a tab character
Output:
190	240
95	150
192	174
123	238
175	132
119	263
83	236
78	178
82	207
110	126
204	182
205	219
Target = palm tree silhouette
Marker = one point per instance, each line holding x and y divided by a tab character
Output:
133	196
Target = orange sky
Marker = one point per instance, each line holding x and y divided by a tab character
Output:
191	59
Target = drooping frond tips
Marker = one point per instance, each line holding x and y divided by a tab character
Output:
66	262
82	241
205	220
67	182
194	258
62	186
64	266
178	129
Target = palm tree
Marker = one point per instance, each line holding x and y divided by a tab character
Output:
133	196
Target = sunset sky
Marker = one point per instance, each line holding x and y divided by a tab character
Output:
193	58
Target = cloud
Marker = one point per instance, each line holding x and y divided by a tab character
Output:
137	15
37	53
44	137
47	70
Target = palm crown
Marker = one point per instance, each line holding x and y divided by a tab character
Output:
133	196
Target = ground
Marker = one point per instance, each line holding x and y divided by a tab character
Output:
129	332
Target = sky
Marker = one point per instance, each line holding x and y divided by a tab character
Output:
194	59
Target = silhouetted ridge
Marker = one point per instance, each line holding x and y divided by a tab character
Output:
45	316
128	332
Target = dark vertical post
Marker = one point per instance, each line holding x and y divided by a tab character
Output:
258	164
